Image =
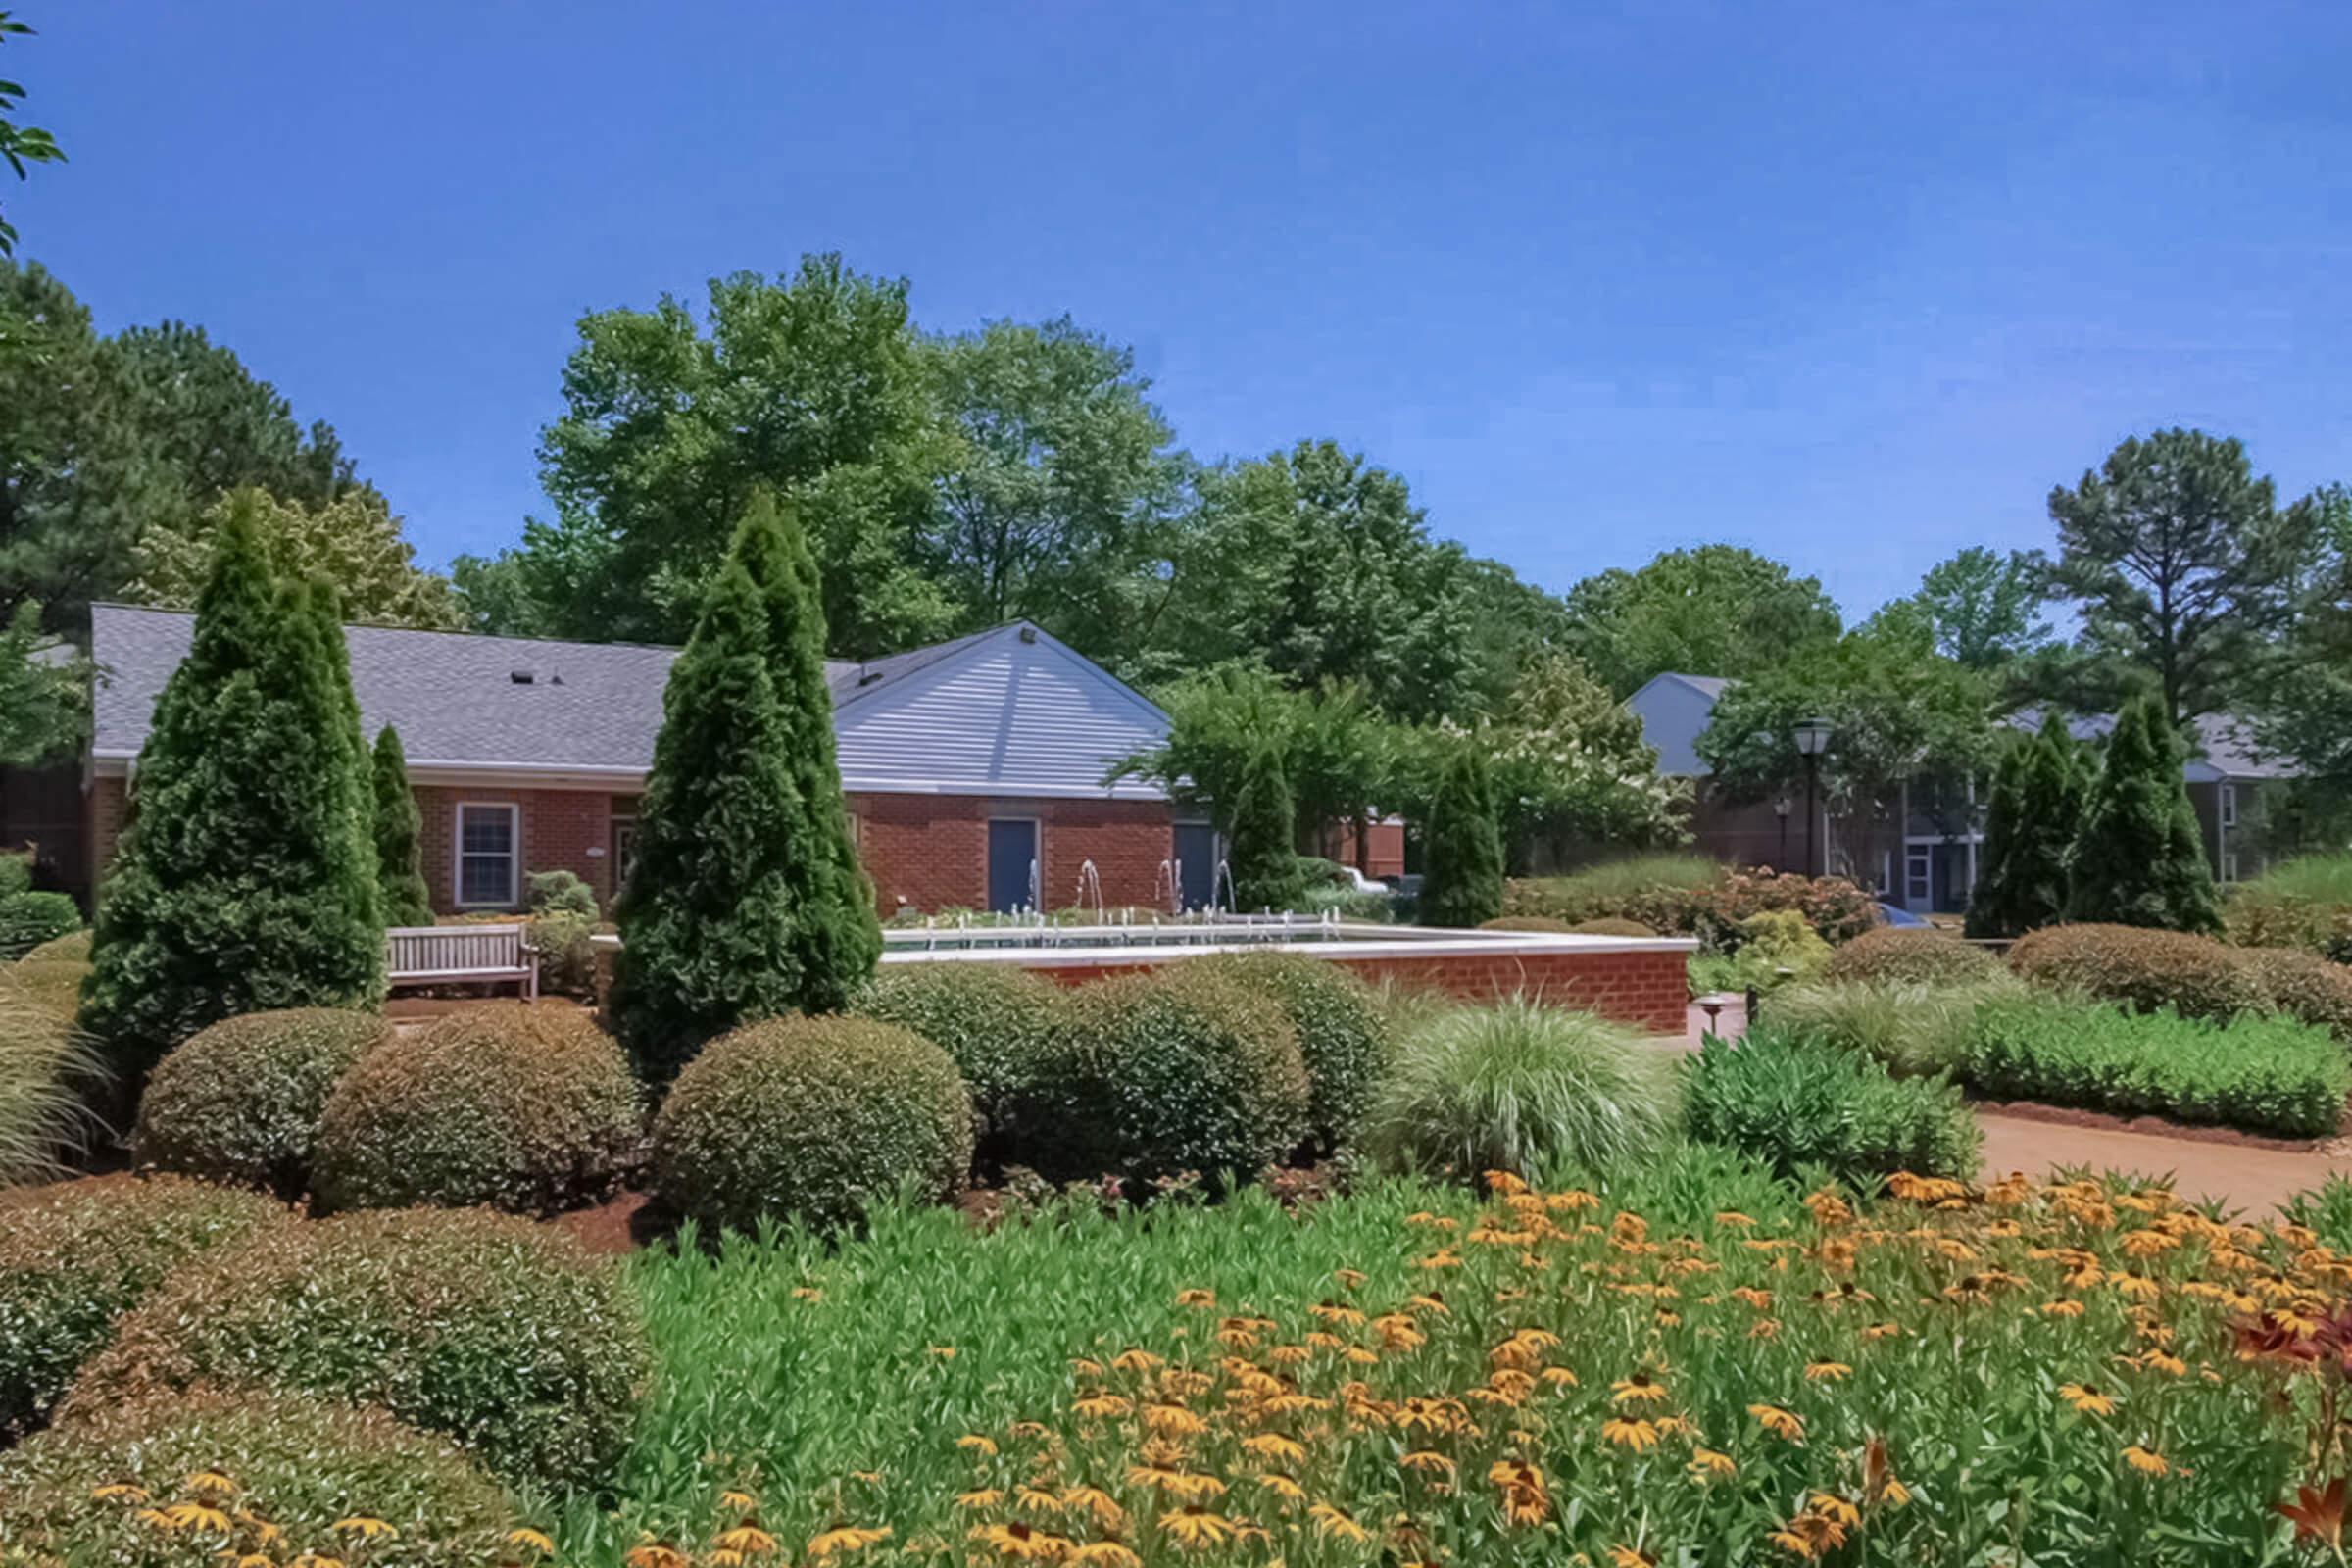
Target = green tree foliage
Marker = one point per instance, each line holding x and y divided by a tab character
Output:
1461	884
736	908
245	879
44	691
1714	611
353	541
1571	766
2140	858
2183	563
2037	799
399	870
19	145
1058	482
2302	708
1258	821
1983	609
812	385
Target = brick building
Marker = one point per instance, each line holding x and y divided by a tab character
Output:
974	769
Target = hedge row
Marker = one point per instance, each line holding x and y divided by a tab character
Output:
1712	909
2194	976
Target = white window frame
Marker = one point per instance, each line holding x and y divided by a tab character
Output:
457	863
2228	806
2228	865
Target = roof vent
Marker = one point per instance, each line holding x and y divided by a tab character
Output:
866	677
521	677
1028	634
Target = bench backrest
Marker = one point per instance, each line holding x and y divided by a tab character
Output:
455	950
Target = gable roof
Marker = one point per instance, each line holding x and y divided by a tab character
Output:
474	705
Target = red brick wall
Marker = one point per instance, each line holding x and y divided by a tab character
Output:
1647	989
559	828
931	850
108	802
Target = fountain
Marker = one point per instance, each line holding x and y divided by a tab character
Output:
1224	875
1169	875
1089	881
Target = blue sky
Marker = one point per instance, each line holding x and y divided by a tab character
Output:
1851	284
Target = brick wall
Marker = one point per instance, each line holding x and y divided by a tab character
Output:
559	829
931	850
108	803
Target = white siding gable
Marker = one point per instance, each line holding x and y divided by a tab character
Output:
1006	716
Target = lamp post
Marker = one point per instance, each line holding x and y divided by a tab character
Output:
1780	809
1812	738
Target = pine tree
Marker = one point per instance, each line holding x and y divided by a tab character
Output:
2140	858
2030	829
399	872
1260	855
245	879
836	937
1461	883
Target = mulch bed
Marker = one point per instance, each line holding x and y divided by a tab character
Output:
2149	1126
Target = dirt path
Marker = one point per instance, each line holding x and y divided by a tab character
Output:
2251	1180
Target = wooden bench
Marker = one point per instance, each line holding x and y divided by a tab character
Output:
460	954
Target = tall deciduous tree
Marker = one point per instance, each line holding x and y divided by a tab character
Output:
1462	882
353	541
1983	609
1571	766
45	692
19	145
2140	858
1718	609
246	876
2029	826
399	867
2183	564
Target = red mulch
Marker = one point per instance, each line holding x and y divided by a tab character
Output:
2150	1126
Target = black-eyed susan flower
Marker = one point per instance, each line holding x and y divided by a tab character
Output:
1639	1435
1196	1527
1638	1388
845	1538
2088	1399
2147	1462
1778	1422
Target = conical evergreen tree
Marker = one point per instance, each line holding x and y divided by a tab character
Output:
1461	883
2029	830
1260	854
399	867
245	879
2140	858
1989	903
836	937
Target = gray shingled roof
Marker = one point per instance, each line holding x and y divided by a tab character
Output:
456	697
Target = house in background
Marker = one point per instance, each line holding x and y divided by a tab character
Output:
973	770
1934	866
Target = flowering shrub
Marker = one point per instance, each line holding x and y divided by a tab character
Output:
1805	1105
1926	957
74	1257
1713	909
2195	976
239	1100
502	1334
216	1478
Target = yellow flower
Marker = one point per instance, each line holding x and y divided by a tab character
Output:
654	1554
1706	1463
1627	1557
1106	1555
2147	1462
845	1538
2087	1397
119	1492
1193	1526
1639	1435
945	1352
196	1516
1019	1543
1100	1406
1283	1487
749	1541
1331	1521
211	1481
1094	1501
739	1501
1037	1500
1635	1389
1273	1445
365	1528
1778	1422
977	1444
1427	1461
2063	1309
1828	1371
1195	1297
984	1498
530	1541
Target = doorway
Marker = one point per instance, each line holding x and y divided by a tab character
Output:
1196	850
1012	863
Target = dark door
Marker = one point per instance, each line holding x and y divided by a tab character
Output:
1196	863
1011	863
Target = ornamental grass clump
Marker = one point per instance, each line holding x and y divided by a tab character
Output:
1921	957
528	1108
239	1100
48	1069
1342	1035
1916	1029
1518	1086
74	1256
1808	1106
249	1478
811	1119
504	1334
2195	976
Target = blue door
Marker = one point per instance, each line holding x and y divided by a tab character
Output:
1196	863
1011	863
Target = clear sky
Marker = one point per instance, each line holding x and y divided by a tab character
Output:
1852	284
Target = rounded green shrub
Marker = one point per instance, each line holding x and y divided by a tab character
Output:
1342	1034
1909	956
528	1108
1610	928
29	919
1542	923
505	1335
54	984
1804	1105
1521	1086
72	947
302	1464
2306	987
1181	1069
78	1254
2196	976
999	1023
811	1119
241	1100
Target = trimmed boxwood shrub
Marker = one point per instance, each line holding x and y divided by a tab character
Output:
29	919
1610	928
2267	1075
1182	1069
1803	1104
500	1333
528	1108
1925	958
811	1119
2306	987
72	947
1544	923
78	1253
2195	976
1342	1035
997	1022
302	1464
239	1100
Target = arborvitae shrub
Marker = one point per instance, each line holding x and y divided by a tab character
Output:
2196	976
29	919
525	1107
1184	1069
1342	1035
1461	884
75	1254
1894	953
2140	858
239	1100
503	1334
814	1120
1260	855
999	1023
400	874
302	1464
2030	828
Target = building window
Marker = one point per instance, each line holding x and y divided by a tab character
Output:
1919	885
489	838
2229	866
2228	806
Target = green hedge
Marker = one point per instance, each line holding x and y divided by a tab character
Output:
2306	987
2195	976
239	1100
1693	897
29	919
2263	1074
1907	954
1805	1105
